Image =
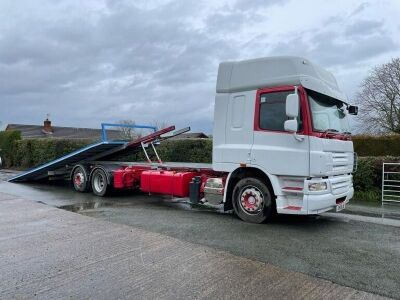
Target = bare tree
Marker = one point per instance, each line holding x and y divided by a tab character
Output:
379	99
159	124
128	133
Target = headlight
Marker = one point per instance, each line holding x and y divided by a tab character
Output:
317	186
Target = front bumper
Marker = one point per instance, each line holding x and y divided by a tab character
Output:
340	189
321	203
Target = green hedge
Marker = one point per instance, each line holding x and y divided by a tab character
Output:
31	152
7	139
385	145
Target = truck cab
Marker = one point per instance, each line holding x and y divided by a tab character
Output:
282	122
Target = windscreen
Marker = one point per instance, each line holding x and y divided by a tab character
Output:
328	114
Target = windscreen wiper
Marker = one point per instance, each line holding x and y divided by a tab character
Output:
328	131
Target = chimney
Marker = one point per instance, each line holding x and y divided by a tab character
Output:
47	126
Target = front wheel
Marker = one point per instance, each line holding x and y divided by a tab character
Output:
252	200
99	183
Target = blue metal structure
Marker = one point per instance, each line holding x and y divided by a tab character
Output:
104	125
93	151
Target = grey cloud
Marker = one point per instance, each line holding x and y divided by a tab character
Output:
226	22
359	9
245	5
230	19
364	27
339	50
335	48
132	60
123	66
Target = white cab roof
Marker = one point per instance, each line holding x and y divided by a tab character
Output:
259	73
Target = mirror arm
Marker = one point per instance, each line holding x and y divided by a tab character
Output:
295	135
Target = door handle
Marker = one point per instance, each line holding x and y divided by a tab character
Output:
297	137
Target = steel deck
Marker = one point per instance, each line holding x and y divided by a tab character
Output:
70	159
92	152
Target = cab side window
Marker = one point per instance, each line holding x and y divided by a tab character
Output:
273	111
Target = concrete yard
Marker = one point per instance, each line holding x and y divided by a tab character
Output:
51	253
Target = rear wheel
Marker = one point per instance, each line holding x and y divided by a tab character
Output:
99	183
80	179
252	200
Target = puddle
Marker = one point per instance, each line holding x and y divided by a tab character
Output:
177	203
85	206
389	210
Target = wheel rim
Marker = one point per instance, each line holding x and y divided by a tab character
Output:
79	179
99	182
251	200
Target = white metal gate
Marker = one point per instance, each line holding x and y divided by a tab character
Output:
391	182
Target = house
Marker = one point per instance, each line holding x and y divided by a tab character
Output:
192	135
48	131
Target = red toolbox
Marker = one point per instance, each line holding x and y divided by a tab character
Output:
166	182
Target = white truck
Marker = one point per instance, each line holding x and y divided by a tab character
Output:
281	144
281	132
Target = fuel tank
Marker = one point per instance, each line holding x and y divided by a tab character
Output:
166	182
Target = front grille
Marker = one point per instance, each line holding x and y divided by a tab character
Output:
341	162
340	185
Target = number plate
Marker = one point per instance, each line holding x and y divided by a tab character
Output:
340	206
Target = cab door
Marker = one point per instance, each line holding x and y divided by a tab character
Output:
238	130
275	150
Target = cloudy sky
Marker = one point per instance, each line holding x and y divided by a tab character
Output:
86	62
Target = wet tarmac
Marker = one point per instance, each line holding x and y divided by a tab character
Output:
50	253
351	251
386	210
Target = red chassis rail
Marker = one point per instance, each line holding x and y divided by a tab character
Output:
165	180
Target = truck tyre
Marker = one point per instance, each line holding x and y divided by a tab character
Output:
99	183
252	200
80	179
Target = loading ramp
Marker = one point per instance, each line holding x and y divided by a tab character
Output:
93	152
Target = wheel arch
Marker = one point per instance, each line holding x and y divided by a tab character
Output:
240	173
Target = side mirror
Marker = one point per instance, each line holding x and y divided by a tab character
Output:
291	125
353	110
292	105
